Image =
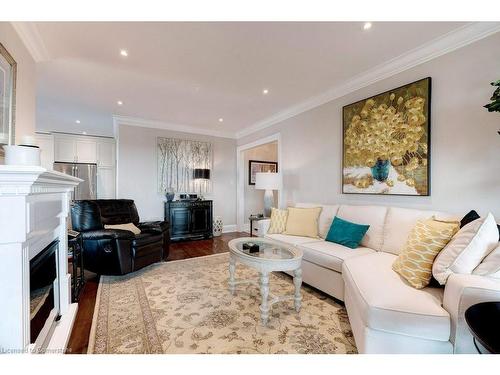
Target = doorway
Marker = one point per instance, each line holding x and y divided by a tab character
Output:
249	200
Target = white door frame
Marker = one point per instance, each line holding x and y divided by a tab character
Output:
240	177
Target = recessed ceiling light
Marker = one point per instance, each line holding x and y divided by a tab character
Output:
84	133
77	121
367	25
124	52
119	102
265	91
221	120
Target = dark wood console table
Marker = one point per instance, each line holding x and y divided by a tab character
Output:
189	219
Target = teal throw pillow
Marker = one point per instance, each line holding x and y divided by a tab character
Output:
346	233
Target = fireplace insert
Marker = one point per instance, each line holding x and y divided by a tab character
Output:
44	304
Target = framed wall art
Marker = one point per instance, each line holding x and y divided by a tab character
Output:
256	166
177	160
386	142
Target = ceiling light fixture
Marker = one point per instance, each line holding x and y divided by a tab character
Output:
367	25
84	133
265	91
221	120
119	102
124	52
77	121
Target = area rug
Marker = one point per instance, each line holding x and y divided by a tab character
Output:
186	307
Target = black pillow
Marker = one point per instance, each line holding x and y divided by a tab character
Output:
470	217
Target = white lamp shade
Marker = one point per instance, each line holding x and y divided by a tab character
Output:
268	181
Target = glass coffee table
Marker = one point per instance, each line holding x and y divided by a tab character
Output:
271	257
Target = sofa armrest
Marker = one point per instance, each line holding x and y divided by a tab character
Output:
263	227
108	234
154	225
461	292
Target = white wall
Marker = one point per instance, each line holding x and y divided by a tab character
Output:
137	173
465	146
26	81
253	198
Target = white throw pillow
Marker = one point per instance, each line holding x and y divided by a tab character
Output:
466	249
129	226
490	266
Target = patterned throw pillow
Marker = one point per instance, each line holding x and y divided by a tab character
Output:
278	221
426	240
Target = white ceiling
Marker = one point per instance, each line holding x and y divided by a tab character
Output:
192	74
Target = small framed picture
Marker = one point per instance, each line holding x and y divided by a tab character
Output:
257	166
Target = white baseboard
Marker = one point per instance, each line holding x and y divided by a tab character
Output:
229	228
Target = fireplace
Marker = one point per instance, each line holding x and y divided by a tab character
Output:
44	291
37	315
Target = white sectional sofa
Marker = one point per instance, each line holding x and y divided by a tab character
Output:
387	315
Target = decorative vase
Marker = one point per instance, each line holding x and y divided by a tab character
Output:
218	224
380	171
170	195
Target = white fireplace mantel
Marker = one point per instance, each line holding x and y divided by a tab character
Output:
34	206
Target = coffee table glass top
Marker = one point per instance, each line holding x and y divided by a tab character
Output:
267	250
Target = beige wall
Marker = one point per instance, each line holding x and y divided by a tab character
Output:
137	173
26	81
253	198
465	146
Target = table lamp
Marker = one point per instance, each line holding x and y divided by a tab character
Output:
268	181
201	174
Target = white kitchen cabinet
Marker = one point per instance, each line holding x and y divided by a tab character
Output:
64	149
86	150
75	149
46	144
106	152
106	188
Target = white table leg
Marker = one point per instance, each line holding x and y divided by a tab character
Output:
264	292
297	281
232	269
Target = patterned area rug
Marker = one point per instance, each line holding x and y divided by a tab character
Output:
185	307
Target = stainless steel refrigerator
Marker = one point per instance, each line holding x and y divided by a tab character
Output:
87	172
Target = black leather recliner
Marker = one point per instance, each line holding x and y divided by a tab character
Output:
115	251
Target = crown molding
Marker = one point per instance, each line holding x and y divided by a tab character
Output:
29	34
447	43
134	121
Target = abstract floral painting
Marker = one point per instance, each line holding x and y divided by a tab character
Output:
386	142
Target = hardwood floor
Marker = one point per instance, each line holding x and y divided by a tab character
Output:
79	339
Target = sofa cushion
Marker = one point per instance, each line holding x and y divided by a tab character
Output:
326	216
278	221
303	222
490	266
398	225
466	249
388	303
374	216
346	233
330	255
425	241
292	240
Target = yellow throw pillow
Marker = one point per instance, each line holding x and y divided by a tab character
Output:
278	221
302	222
426	240
129	226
